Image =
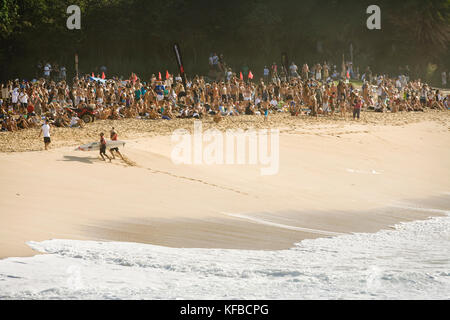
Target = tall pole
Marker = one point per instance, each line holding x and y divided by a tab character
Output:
351	52
76	64
177	50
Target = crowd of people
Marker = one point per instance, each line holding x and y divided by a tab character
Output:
316	91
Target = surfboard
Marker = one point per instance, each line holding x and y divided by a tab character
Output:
96	145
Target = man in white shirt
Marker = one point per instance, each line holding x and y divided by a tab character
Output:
23	98
229	74
45	129
63	73
47	70
211	60
398	84
15	96
293	69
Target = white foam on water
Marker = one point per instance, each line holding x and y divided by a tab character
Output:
401	205
283	226
410	262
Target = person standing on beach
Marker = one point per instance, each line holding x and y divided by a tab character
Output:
266	74
45	129
103	147
113	135
357	108
305	71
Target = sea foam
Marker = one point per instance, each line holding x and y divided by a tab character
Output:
411	261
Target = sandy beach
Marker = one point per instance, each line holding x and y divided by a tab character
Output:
335	176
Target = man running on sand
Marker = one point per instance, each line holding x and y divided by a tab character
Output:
103	147
113	136
45	129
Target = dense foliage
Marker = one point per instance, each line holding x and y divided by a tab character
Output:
137	35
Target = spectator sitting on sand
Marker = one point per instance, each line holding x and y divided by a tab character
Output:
76	122
22	123
116	99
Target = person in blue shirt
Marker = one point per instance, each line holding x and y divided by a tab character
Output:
159	90
143	91
137	94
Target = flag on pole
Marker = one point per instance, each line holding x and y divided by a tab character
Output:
93	76
250	75
167	74
103	75
177	51
241	76
159	75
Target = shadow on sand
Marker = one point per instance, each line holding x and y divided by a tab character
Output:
79	159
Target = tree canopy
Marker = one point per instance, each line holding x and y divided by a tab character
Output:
137	35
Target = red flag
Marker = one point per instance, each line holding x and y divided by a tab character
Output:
135	78
103	75
348	74
167	74
159	75
241	76
93	76
250	75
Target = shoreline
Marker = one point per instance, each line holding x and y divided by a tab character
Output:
324	184
191	233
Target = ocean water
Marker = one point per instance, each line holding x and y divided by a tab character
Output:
411	261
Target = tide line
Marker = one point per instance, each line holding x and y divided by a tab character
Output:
283	226
407	207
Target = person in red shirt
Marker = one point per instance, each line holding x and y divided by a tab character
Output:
113	136
357	108
30	110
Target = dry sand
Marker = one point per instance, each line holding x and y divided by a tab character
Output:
335	175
